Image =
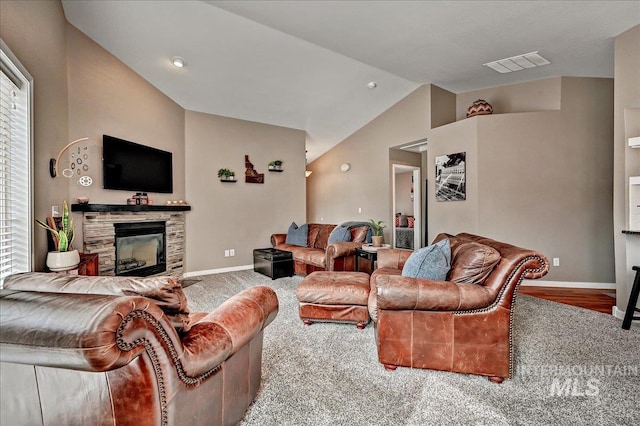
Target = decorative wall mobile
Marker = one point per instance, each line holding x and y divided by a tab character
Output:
250	174
451	177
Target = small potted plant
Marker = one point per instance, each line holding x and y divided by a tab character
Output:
272	165
226	174
376	227
64	257
278	164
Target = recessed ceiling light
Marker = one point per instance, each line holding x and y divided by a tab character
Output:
517	63
372	85
178	61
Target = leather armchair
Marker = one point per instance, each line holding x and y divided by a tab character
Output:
69	358
445	325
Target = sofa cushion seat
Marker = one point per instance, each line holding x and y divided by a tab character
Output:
308	255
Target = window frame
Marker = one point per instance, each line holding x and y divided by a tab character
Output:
14	69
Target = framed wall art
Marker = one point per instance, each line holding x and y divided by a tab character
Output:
451	177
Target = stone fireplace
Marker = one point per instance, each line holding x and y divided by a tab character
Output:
138	231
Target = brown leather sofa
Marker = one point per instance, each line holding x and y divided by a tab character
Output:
319	255
463	326
94	359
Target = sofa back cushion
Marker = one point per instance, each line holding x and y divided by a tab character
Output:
471	262
359	233
165	292
319	235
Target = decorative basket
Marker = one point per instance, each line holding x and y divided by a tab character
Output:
479	107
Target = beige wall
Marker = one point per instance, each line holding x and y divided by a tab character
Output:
107	97
443	107
626	160
404	203
539	179
240	216
540	95
454	216
334	196
35	33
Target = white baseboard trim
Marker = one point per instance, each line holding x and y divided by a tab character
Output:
217	271
620	314
568	284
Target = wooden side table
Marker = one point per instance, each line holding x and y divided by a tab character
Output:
89	264
370	257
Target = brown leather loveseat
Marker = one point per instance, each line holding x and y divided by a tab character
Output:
104	359
319	255
463	324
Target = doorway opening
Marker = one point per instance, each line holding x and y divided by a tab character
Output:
407	206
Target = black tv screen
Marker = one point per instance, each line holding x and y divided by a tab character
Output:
134	167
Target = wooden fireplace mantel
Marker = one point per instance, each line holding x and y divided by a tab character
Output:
128	208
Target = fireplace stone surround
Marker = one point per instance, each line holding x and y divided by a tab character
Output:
99	232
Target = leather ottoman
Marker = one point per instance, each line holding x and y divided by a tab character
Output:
328	296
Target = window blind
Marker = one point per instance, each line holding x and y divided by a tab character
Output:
15	169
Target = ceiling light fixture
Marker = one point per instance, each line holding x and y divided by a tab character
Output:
517	63
178	61
372	85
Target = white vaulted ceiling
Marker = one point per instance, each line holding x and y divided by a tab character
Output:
306	64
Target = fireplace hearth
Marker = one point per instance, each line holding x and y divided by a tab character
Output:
140	248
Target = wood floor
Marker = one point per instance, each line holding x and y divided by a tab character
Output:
596	300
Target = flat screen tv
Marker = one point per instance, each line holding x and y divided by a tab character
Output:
133	167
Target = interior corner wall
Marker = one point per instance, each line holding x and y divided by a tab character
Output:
35	33
334	196
240	216
443	107
626	159
108	97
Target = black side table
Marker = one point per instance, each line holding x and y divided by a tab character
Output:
370	257
273	263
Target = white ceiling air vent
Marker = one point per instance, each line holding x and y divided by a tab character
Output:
517	63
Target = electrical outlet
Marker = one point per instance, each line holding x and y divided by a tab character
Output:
556	261
55	211
232	252
226	253
359	209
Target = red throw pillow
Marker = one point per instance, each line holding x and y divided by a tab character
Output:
411	221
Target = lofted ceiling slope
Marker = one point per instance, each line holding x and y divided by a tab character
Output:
306	64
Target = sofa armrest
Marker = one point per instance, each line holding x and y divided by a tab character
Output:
222	332
341	249
102	332
393	258
277	239
87	332
396	292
